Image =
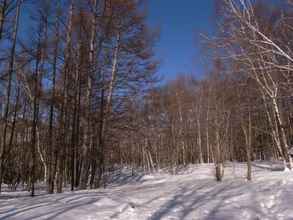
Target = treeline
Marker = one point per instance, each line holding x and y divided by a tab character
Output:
243	108
69	72
78	96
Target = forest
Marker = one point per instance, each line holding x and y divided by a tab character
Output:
80	95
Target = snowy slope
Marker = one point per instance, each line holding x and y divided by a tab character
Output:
191	194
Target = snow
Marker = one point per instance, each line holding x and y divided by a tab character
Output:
192	193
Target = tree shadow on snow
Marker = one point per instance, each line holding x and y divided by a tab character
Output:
220	202
51	207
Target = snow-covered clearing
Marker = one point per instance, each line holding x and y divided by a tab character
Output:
191	194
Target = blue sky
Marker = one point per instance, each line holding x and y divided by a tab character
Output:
181	23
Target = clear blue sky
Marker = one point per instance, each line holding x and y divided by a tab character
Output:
181	23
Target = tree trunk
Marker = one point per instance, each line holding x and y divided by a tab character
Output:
9	87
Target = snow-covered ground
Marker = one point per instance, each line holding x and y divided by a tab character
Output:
191	194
